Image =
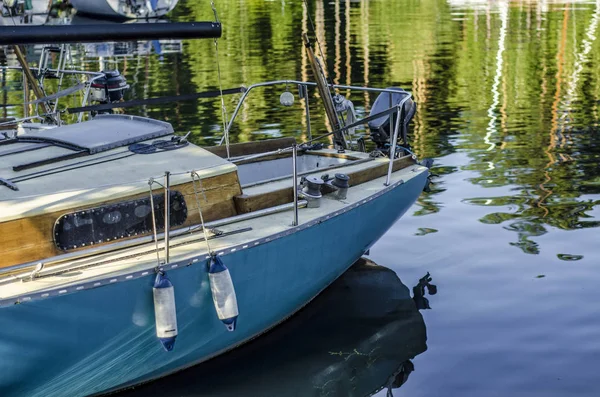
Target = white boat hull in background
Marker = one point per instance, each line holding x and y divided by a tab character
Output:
124	8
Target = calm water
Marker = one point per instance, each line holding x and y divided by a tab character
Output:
508	97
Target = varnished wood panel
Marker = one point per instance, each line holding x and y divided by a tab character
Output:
368	174
247	203
243	149
31	238
336	155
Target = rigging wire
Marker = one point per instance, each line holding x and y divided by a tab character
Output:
195	175
223	108
151	181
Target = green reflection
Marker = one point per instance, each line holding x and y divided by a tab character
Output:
511	86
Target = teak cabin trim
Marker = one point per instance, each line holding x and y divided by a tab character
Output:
31	238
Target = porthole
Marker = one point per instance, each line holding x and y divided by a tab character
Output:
116	221
112	217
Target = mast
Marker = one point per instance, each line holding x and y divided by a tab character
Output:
324	93
30	78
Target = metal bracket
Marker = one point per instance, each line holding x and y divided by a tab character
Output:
214	231
35	271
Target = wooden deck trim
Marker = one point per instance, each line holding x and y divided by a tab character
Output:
31	238
245	203
247	148
336	155
287	154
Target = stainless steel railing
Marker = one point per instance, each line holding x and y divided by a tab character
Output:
88	84
295	183
304	88
303	85
87	95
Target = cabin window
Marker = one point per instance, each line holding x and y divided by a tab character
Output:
116	221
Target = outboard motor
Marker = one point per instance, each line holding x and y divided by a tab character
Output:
109	88
380	128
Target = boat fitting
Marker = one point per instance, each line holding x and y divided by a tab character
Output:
312	191
341	182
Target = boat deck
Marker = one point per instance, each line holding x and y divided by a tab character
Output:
97	174
187	249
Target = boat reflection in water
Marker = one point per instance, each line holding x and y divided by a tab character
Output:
354	339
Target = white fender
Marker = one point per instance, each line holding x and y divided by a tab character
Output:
164	311
223	293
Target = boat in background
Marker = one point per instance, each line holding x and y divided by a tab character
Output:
130	9
19	12
356	338
127	253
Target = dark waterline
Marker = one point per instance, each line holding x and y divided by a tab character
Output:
508	97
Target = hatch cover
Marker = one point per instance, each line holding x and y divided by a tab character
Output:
104	132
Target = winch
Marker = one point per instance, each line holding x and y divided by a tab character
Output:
341	182
312	191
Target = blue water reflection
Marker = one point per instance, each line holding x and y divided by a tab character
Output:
355	339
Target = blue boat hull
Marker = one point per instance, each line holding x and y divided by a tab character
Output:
104	338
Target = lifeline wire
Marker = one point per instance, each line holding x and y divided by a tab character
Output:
194	175
150	182
223	109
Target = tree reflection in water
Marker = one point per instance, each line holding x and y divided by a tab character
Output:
509	88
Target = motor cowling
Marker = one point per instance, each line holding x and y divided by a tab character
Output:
109	88
381	129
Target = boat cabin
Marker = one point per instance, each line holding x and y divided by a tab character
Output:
77	187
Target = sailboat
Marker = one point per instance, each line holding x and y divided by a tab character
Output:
127	253
131	9
355	339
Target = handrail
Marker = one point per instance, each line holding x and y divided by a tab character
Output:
17	121
88	83
303	83
393	148
295	182
65	71
126	244
87	94
398	109
394	109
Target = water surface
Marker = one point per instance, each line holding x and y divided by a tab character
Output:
507	96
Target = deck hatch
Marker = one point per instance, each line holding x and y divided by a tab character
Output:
104	132
116	221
